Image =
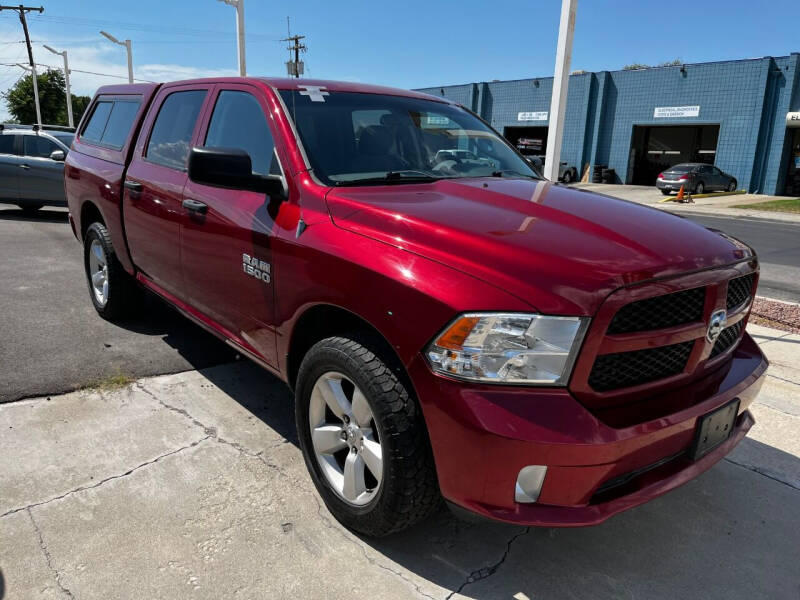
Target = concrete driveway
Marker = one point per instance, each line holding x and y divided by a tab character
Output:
192	486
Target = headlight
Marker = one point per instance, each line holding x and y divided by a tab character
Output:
518	348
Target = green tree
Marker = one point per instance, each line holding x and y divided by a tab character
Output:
52	96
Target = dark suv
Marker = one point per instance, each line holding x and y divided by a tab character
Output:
32	166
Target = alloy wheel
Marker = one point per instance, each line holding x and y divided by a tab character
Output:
345	439
98	272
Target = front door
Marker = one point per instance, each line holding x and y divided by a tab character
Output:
153	187
41	177
227	250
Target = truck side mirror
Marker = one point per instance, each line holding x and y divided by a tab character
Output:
58	155
230	168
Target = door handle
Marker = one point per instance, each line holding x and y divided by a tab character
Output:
24	167
133	186
195	206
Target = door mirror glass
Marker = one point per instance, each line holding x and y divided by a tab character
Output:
58	155
230	168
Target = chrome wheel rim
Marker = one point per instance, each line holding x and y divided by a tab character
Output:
98	272
345	439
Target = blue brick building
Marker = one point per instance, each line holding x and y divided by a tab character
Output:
742	115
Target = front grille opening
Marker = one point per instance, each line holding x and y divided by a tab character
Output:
726	339
739	291
660	312
626	369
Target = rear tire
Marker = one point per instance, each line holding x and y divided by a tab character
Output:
699	188
30	208
567	177
383	414
666	192
113	292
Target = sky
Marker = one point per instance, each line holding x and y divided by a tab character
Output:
409	45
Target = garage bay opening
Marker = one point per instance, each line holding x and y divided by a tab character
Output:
656	148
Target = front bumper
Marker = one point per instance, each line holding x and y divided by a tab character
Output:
483	435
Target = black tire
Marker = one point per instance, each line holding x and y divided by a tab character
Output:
567	178
409	490
30	208
666	192
123	292
732	186
699	188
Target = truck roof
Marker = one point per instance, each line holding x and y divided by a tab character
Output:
280	83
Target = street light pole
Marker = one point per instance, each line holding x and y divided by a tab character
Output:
127	44
63	54
558	102
239	5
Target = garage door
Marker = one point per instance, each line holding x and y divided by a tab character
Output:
657	148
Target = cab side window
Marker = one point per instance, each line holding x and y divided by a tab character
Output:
40	147
172	130
239	122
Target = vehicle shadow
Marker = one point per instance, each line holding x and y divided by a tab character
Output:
731	533
43	215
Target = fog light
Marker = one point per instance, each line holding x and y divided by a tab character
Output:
529	483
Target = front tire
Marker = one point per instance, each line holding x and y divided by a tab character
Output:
363	438
111	289
732	186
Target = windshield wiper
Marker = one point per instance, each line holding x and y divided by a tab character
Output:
391	177
512	172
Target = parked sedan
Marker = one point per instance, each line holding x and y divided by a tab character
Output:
696	178
32	167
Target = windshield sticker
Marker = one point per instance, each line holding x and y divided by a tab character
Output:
314	92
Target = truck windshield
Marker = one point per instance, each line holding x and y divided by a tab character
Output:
373	139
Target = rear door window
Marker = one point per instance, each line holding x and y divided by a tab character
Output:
173	128
239	122
7	144
37	146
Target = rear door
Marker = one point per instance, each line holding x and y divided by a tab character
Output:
236	230
41	177
720	179
9	168
153	187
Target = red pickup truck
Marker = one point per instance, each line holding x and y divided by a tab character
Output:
452	325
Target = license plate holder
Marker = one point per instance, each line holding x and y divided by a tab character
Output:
714	428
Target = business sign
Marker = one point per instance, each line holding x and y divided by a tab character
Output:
793	119
532	116
671	112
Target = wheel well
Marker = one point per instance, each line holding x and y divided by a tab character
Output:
89	214
323	321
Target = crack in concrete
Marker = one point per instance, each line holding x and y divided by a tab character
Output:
106	480
330	525
486	572
48	558
762	473
783	379
211	432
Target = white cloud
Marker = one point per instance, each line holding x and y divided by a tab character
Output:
97	56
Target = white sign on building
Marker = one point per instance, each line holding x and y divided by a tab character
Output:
532	116
793	119
668	112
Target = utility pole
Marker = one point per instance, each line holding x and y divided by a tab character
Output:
70	120
294	67
239	5
21	11
127	44
558	103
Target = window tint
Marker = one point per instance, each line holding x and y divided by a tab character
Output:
172	131
119	123
64	138
34	145
97	122
239	122
7	144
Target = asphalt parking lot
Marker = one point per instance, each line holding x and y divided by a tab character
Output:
51	339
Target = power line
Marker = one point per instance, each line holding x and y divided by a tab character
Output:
294	67
72	70
21	12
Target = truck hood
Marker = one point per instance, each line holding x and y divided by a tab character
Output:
560	249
